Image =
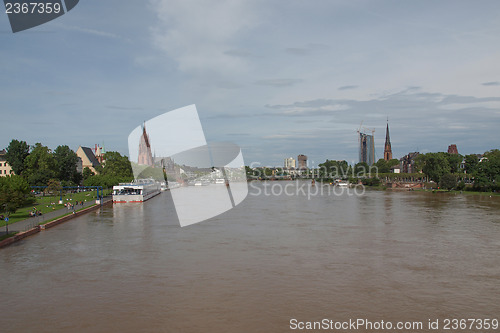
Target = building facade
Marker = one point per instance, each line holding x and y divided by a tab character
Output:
289	163
5	169
302	161
366	149
145	153
407	163
87	159
452	149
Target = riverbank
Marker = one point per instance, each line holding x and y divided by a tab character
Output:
34	229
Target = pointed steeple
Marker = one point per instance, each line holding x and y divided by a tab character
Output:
387	138
387	147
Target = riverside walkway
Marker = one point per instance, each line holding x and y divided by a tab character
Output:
31	222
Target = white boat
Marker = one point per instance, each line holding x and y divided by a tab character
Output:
341	183
138	191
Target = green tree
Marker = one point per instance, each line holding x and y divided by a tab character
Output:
448	181
471	164
117	165
361	169
490	166
383	166
334	169
435	165
454	161
53	186
87	173
65	162
17	151
40	165
14	193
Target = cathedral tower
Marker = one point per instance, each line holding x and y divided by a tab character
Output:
387	147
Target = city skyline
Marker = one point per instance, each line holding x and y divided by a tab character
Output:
277	79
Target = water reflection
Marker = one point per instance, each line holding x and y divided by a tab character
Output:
387	255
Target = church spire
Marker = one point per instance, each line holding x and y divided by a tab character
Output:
387	147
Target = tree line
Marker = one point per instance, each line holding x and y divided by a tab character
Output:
448	171
38	165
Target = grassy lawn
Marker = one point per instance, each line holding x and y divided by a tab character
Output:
50	203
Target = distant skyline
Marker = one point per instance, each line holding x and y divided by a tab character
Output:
278	78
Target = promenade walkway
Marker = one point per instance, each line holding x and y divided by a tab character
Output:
31	222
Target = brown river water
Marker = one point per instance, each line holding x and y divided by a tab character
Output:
391	256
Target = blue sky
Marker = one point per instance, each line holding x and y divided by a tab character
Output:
278	78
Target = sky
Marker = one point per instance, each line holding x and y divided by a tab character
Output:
278	78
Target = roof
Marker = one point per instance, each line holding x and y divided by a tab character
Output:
90	155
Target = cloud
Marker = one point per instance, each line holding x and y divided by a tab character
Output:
198	35
125	108
347	87
289	136
309	49
297	51
239	53
278	82
94	32
492	83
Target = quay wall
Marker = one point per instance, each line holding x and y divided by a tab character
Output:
22	235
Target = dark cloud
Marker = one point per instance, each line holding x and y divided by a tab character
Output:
492	83
347	87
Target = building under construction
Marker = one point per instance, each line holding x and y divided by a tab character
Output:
366	148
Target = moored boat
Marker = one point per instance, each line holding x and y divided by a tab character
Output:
138	191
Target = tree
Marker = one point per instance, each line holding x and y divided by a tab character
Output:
435	165
471	164
448	181
118	166
17	151
14	193
490	166
53	186
361	169
454	161
40	165
87	173
65	162
383	166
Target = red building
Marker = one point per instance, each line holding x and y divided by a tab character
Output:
145	155
452	149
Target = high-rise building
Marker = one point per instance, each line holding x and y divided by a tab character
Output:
290	163
366	149
452	149
145	154
387	146
302	159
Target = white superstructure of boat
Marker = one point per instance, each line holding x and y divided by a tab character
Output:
138	191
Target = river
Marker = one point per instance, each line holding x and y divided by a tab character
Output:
383	255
